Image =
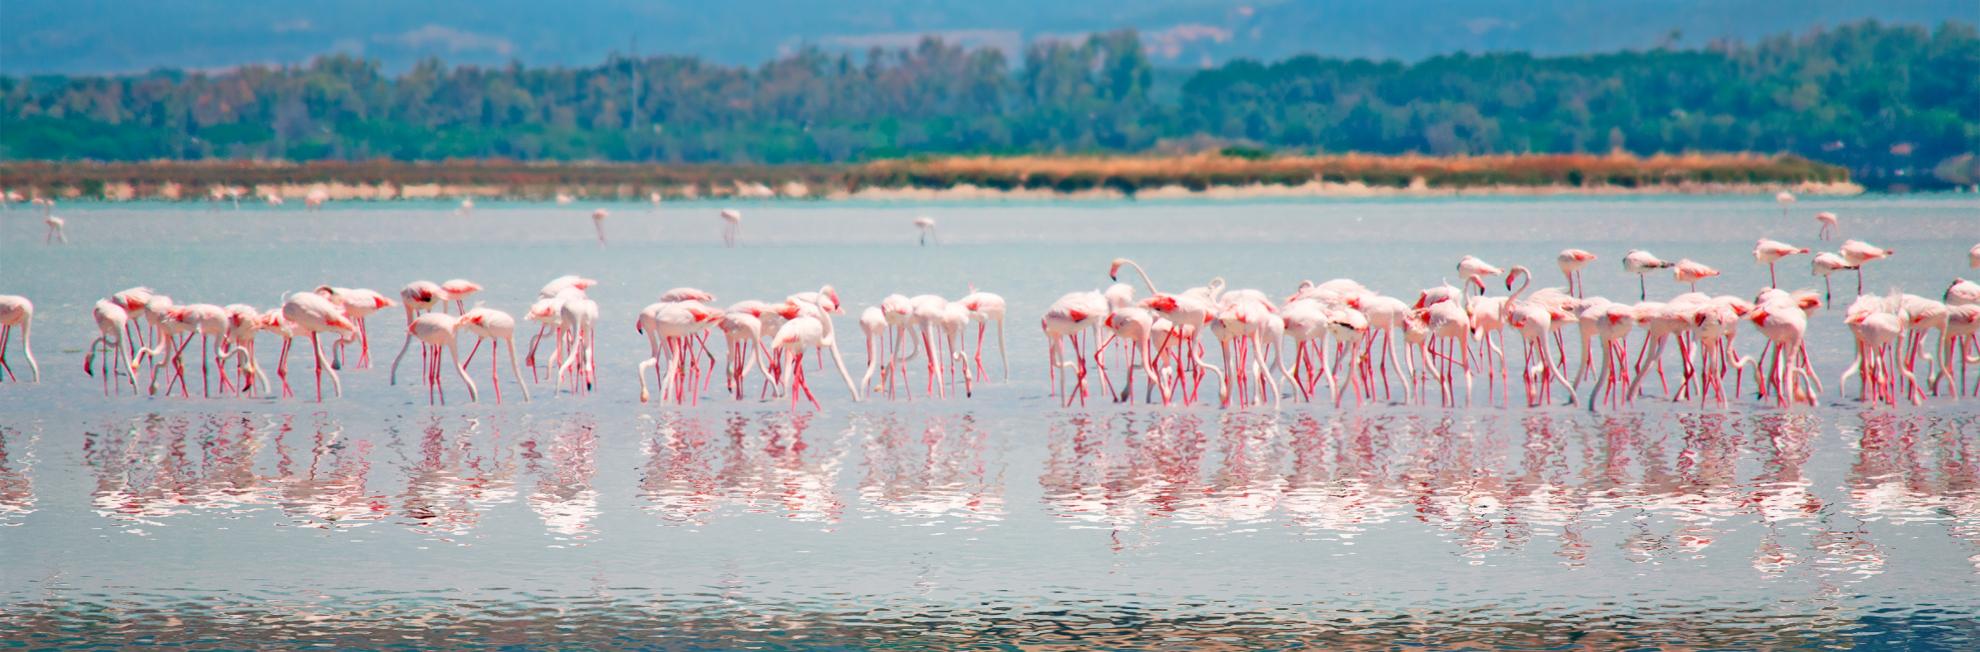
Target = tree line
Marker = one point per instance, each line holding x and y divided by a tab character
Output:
1888	102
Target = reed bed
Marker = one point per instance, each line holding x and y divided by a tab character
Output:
1126	175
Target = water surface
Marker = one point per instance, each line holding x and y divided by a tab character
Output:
1001	520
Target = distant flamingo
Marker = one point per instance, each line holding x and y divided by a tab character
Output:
564	199
17	312
1831	226
1640	263
927	227
273	199
1858	252
731	226
500	328
316	315
55	230
436	331
1690	272
1772	251
467	207
598	224
672	328
1785	199
316	198
1571	261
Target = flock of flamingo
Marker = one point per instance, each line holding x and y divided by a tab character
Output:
1357	341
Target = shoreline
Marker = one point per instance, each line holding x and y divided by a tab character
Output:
1202	177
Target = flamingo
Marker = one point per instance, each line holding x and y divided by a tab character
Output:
416	297
111	320
1858	252
671	328
55	230
1571	261
458	290
315	315
1640	263
565	199
731	227
1067	317
927	227
579	315
1831	226
743	332
1612	324
984	308
17	312
467	207
1772	251
1474	271
1785	199
317	197
436	330
1826	264
491	324
358	303
1690	272
806	327
598	224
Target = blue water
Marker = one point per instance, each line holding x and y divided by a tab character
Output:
1001	520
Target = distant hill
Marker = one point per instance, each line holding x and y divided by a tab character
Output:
98	36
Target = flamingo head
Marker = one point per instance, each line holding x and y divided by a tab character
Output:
1114	269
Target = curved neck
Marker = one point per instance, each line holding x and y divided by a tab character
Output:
1144	277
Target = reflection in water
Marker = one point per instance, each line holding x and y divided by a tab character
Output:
452	479
563	467
322	477
937	474
691	471
16	475
157	467
1666	487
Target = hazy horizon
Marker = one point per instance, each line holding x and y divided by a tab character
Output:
97	36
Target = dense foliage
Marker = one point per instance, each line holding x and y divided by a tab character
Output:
1882	100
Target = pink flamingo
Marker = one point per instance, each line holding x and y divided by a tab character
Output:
671	329
458	291
358	303
580	318
56	232
1858	252
1772	251
1571	261
1690	272
1831	225
927	227
435	331
417	297
111	320
17	312
598	224
731	227
1640	263
316	315
1474	271
985	308
1826	264
499	327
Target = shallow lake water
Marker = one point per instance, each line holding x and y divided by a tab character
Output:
999	520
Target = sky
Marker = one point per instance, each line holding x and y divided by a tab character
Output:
126	36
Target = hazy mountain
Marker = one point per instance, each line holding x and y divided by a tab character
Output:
72	36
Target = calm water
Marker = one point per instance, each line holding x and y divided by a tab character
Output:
997	521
